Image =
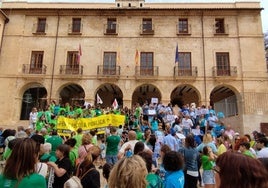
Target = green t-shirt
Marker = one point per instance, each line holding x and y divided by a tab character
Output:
73	155
78	138
206	163
154	181
248	153
55	141
112	145
32	181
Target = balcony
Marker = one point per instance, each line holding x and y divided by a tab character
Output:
39	29
225	72
29	69
75	29
221	30
147	29
146	72
71	71
110	29
105	72
184	31
184	73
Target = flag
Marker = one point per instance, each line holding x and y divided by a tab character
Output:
177	54
99	101
137	58
79	54
115	104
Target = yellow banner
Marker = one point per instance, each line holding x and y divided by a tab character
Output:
66	125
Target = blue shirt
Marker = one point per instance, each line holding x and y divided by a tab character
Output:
174	179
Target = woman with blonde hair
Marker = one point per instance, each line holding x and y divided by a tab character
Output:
128	172
207	141
84	148
19	170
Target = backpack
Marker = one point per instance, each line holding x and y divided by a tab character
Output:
73	182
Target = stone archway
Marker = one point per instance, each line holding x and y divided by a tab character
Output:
108	92
184	94
144	93
34	96
223	99
73	94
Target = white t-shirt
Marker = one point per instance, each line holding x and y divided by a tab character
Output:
41	168
263	153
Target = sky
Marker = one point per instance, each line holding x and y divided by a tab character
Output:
264	4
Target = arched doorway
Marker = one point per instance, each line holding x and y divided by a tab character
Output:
223	99
107	93
72	94
34	96
144	93
184	94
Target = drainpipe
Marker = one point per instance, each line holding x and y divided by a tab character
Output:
54	58
204	58
2	37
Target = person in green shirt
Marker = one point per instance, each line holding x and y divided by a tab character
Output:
244	148
112	146
55	140
73	154
20	169
78	137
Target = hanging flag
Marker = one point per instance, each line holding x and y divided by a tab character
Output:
177	54
79	54
99	101
115	104
137	58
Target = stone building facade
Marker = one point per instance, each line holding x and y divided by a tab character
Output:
183	53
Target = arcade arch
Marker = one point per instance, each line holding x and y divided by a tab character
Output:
108	92
34	95
144	93
72	94
224	99
184	94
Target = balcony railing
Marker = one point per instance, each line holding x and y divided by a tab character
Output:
110	29
71	69
39	29
185	72
184	31
29	69
224	72
221	31
145	71
108	72
147	29
75	29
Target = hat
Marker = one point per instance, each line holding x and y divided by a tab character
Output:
180	136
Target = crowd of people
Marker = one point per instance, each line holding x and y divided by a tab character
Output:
158	146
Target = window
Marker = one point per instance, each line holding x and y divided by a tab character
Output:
72	65
146	64
109	63
36	62
185	64
111	25
223	65
183	26
76	25
147	25
41	25
219	26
